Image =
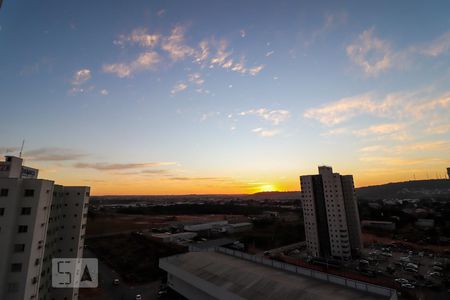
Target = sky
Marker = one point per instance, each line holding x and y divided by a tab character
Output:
208	96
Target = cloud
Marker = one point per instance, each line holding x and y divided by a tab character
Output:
203	53
181	86
266	133
400	161
145	61
53	154
81	76
104	92
242	33
199	178
9	150
438	129
175	46
370	53
121	166
209	115
380	129
196	78
344	109
222	58
139	36
413	112
437	47
273	116
330	22
161	13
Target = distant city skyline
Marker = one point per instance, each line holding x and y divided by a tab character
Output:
212	97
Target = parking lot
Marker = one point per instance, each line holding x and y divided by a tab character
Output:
422	272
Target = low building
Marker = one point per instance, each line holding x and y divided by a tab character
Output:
378	225
178	238
232	275
205	226
239	227
425	223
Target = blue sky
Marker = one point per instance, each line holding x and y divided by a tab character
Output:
147	97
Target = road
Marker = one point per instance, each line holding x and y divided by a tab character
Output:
107	291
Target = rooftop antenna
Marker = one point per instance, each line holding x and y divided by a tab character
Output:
21	148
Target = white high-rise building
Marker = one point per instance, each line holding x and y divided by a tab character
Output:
331	217
38	221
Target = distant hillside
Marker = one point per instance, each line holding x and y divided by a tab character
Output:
407	189
275	195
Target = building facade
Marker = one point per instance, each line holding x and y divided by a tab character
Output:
331	216
38	221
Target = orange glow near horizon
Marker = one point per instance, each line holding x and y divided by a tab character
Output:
111	183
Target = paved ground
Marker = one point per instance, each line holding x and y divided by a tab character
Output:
107	291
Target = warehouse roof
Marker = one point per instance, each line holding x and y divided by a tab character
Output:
251	280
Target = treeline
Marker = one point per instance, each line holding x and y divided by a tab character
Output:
190	209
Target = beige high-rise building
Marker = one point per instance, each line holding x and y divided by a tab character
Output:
38	221
331	216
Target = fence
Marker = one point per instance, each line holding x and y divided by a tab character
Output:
350	283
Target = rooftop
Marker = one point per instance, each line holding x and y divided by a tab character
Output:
251	280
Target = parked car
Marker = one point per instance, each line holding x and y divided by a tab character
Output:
138	297
408	286
116	281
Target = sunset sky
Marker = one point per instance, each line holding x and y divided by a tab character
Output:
231	96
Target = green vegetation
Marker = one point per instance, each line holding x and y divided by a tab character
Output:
133	256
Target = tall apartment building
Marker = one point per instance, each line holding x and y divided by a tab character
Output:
38	221
330	212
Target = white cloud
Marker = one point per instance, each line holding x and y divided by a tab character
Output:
145	61
266	133
273	116
255	70
104	92
342	110
81	76
202	54
370	53
181	86
196	78
139	36
380	129
222	58
175	46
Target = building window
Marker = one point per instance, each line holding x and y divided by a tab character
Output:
19	248
23	228
26	211
29	193
2	211
17	267
4	193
